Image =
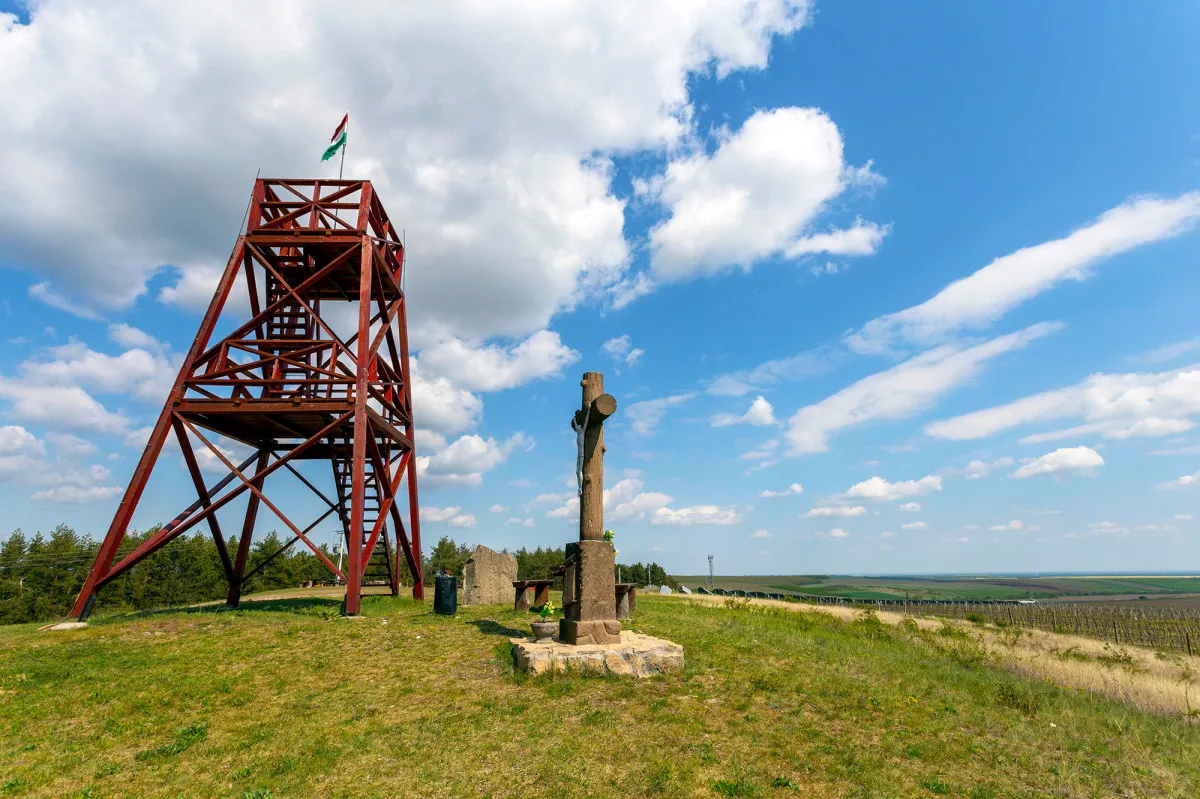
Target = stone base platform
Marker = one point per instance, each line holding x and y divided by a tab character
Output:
636	655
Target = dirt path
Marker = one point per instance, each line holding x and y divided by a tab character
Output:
1139	677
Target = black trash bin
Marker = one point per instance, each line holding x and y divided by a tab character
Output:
445	594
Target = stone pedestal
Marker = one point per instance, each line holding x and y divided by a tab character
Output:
589	595
631	654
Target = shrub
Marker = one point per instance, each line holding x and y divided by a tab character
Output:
1018	698
869	625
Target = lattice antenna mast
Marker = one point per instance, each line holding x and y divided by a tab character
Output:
285	384
712	583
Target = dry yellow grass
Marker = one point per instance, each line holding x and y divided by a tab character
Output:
1138	677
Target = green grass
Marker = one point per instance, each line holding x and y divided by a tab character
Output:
287	700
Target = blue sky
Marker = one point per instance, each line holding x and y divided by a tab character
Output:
762	200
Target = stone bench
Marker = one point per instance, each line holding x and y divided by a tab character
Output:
541	593
626	600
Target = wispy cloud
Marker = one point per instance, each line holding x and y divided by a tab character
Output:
645	416
902	391
981	298
1114	406
1168	352
836	511
794	488
773	373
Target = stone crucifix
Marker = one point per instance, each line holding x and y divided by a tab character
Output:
589	584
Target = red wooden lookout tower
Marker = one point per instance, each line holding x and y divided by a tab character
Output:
286	385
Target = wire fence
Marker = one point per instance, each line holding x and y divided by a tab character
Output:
1163	628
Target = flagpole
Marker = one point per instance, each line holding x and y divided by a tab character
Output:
345	133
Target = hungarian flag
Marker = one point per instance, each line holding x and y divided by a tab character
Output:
338	139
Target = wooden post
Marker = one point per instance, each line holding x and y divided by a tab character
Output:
590	602
597	406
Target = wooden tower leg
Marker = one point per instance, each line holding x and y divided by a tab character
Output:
120	522
362	429
234	597
414	521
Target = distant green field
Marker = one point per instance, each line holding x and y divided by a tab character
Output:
959	588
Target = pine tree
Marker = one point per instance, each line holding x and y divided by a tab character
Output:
448	556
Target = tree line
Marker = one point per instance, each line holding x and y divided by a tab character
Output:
41	575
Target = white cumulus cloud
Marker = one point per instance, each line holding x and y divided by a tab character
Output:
760	414
502	164
452	516
623	501
495	367
757	196
880	490
696	515
1068	459
464	461
1186	481
621	350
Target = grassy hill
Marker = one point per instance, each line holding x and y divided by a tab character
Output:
285	699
